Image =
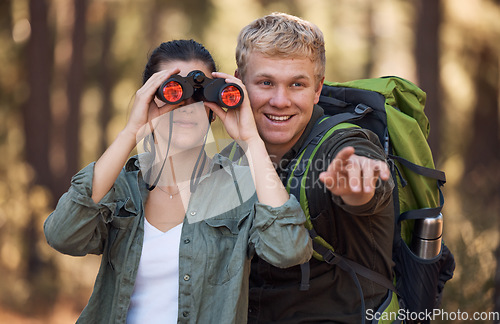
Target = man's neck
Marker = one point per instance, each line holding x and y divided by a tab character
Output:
276	152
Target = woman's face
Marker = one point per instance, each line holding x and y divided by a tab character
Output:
190	118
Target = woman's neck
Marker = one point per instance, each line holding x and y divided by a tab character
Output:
179	166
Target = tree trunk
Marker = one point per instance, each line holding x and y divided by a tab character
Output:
481	181
427	57
37	116
106	79
75	80
484	144
36	110
371	39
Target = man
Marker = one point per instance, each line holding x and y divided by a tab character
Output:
281	61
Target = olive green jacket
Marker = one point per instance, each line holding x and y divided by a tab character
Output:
214	252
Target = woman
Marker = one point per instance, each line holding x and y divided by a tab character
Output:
176	229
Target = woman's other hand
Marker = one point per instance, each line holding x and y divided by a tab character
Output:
239	122
145	108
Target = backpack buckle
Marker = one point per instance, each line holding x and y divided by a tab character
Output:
300	169
329	256
362	109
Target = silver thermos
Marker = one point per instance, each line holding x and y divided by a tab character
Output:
427	236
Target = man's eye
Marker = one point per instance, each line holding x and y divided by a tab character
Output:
266	83
297	84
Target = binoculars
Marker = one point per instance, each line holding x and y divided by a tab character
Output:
178	88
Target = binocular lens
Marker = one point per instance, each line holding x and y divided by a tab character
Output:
200	88
230	96
172	91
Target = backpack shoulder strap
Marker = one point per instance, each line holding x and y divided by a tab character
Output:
295	179
328	122
331	257
297	172
324	125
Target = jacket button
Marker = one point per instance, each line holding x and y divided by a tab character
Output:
185	314
186	277
187	241
193	213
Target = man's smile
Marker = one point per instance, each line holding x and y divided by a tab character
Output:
277	118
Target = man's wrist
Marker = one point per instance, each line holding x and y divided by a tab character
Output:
357	199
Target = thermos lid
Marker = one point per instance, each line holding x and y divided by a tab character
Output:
426	249
429	228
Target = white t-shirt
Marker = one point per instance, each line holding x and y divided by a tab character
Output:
156	290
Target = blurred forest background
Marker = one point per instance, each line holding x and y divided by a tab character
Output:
69	70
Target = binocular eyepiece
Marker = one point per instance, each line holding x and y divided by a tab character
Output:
178	88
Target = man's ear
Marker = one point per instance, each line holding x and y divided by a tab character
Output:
318	90
237	74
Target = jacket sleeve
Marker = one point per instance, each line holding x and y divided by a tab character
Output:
78	226
366	144
278	235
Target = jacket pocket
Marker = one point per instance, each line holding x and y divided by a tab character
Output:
119	232
226	244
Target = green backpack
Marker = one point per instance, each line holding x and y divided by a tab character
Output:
393	108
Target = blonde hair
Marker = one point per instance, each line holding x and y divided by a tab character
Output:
282	35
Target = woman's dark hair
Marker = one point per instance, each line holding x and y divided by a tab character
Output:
177	50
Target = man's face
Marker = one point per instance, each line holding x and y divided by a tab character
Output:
282	92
